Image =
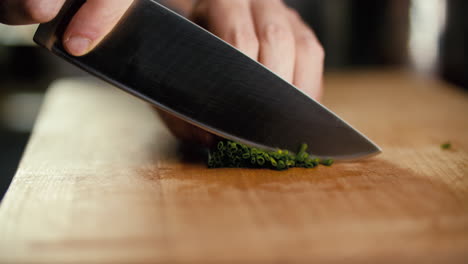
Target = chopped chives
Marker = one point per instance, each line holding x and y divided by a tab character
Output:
273	162
229	154
446	145
260	161
327	162
220	145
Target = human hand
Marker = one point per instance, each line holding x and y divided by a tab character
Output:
89	26
267	31
271	33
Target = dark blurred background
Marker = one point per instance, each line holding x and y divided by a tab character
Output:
425	36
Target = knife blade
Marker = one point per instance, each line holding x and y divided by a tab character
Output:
177	66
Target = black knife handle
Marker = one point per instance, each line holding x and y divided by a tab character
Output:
48	33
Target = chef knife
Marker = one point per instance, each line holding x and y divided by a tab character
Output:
177	66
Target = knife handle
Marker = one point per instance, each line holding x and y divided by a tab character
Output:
47	33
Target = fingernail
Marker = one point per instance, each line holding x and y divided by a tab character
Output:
77	45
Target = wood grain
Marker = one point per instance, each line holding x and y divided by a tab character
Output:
102	181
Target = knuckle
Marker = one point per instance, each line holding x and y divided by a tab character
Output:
310	44
40	10
305	40
293	13
319	51
273	32
225	4
280	3
244	38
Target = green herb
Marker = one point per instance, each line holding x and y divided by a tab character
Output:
229	154
446	145
327	162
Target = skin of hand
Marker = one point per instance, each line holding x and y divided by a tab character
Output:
265	30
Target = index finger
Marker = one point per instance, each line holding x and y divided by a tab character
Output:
92	23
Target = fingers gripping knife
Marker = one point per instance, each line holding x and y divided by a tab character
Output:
168	61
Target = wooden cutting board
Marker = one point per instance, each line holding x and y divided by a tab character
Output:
102	181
